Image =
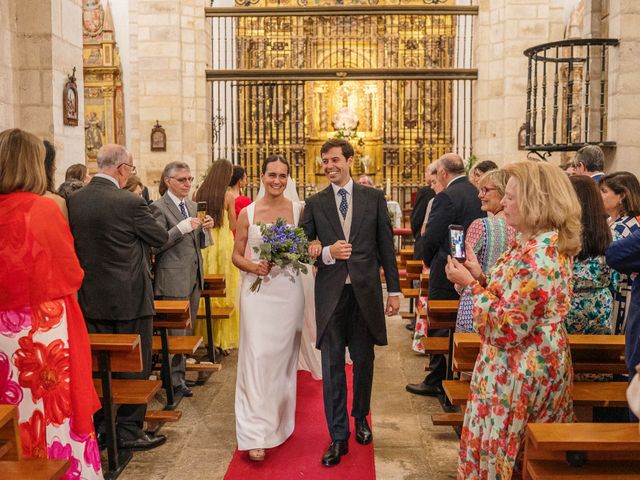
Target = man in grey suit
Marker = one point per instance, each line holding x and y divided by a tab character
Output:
178	270
112	230
351	222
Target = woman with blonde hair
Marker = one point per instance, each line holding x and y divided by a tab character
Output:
217	258
45	357
524	372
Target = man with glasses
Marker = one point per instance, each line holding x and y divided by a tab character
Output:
457	204
113	230
178	272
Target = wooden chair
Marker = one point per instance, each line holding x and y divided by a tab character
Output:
118	353
581	450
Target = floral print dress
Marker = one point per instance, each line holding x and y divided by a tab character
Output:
523	372
594	284
35	375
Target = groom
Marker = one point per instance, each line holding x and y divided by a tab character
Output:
352	223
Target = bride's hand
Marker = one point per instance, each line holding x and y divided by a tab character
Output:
262	268
315	248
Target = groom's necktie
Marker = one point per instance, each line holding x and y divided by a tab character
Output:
344	205
183	210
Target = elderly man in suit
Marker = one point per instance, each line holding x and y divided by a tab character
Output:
457	204
352	223
178	269
113	230
590	162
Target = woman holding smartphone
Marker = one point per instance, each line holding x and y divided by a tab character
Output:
524	372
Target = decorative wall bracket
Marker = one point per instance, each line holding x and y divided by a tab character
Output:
158	138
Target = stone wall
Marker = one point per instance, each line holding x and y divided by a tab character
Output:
504	29
169	52
624	86
41	43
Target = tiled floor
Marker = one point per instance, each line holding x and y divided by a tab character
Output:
407	446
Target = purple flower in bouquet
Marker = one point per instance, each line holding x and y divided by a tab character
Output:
283	245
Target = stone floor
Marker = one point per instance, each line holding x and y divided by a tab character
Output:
407	446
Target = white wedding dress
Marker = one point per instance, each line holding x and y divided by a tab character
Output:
271	322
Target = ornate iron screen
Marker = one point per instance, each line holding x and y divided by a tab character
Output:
394	80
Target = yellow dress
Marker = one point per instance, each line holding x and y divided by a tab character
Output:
217	260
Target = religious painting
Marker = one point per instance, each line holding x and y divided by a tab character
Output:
92	17
70	101
158	138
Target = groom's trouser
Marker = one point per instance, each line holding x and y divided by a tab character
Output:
346	328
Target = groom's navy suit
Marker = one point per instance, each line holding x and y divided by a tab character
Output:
350	314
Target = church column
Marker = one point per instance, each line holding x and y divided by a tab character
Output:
624	84
504	29
48	44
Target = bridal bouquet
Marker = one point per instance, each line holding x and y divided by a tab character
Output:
284	246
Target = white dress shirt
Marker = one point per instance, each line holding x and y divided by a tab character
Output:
327	259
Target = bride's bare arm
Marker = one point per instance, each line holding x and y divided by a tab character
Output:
242	233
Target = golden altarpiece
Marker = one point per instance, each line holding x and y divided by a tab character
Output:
103	95
393	79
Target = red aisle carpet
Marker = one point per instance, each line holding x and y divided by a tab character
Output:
299	457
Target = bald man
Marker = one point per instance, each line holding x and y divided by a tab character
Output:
457	204
113	230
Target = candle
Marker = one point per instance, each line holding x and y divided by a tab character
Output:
388	189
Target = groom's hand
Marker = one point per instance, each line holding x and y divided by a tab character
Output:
341	250
393	305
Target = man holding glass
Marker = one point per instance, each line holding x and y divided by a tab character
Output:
178	272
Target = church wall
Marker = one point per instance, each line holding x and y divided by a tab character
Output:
41	43
169	51
624	85
504	29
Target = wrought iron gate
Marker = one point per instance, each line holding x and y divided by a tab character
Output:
394	80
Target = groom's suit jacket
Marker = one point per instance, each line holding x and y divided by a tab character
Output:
371	237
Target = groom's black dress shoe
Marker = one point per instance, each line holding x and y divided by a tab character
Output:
424	389
144	442
363	432
334	452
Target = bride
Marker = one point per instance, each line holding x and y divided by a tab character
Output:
271	323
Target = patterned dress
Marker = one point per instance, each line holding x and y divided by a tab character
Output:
490	238
523	372
592	303
623	227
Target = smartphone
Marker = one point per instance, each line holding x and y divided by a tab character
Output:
456	242
202	210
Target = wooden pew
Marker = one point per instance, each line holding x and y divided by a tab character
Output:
581	450
590	353
214	286
33	469
118	353
12	464
413	272
172	314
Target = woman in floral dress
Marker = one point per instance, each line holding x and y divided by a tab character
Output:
594	282
523	372
621	196
45	357
489	237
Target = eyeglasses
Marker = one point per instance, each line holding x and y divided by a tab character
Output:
132	167
183	180
485	190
